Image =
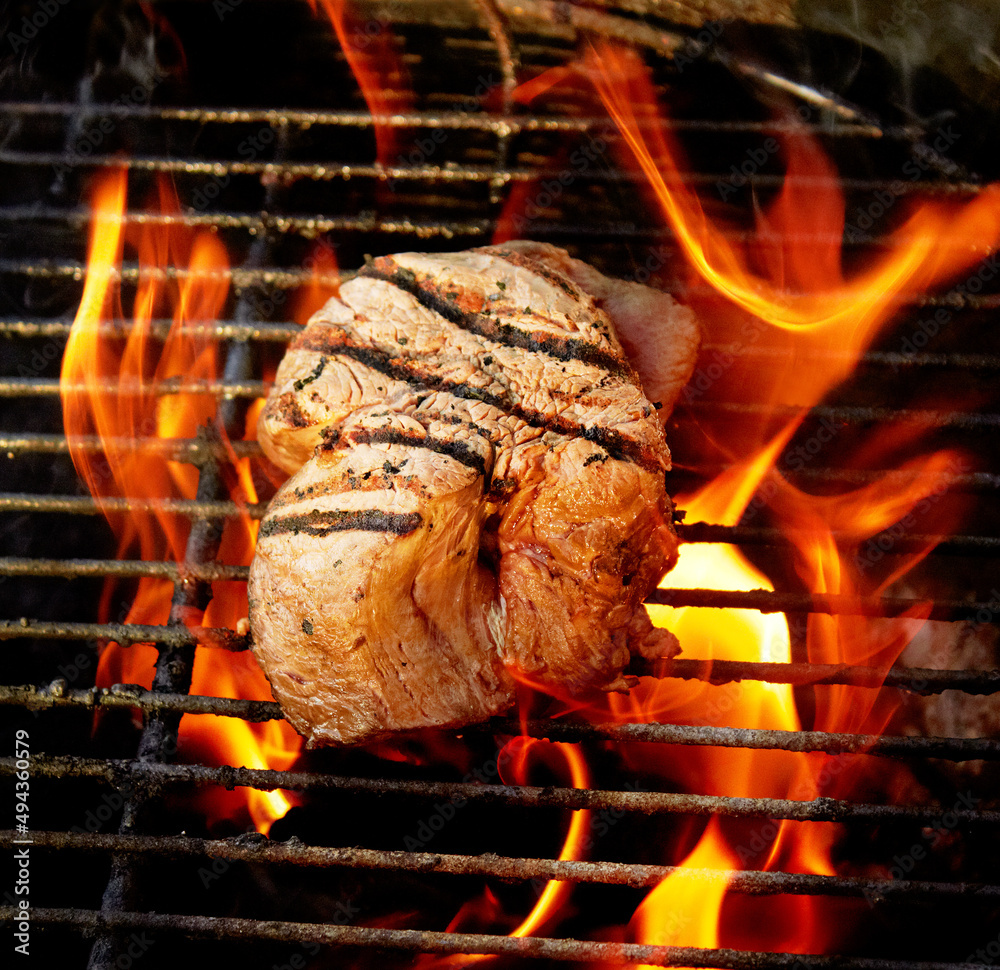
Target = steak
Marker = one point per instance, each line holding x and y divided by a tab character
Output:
477	492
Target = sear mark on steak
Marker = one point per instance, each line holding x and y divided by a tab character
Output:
317	523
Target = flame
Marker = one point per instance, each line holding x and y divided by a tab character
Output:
821	321
824	299
376	66
323	283
555	894
683	909
119	391
515	759
801	302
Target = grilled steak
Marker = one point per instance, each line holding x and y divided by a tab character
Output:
477	491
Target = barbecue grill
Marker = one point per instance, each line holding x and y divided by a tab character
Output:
118	879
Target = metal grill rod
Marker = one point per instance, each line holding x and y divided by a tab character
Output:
194	451
50	387
206	329
284	278
308	225
966	481
87	505
260	851
917	680
761	600
122	568
428	941
289	172
886	746
768	536
869	357
240	277
766	601
458	120
124	634
120	772
256	222
847	414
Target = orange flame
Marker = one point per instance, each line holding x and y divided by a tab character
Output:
486	910
376	66
323	282
824	299
122	395
555	894
810	310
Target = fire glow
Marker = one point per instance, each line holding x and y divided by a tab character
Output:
114	387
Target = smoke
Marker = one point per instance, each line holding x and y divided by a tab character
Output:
956	39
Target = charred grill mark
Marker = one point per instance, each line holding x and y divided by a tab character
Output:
614	443
492	328
458	450
317	370
291	413
317	523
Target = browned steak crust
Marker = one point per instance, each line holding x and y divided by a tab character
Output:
477	493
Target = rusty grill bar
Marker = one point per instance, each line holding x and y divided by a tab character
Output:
150	776
147	775
751	882
461	943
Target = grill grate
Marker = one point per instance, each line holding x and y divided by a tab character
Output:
447	203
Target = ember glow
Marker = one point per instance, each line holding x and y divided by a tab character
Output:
115	385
